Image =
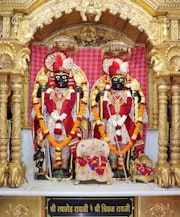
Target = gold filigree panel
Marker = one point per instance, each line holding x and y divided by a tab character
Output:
90	35
126	10
158	206
12	206
138	14
166	59
154	7
7	54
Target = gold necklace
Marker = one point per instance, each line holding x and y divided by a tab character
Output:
58	98
117	99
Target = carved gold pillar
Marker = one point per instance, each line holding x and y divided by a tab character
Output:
22	68
26	86
3	131
163	132
163	169
152	100
162	76
16	169
155	105
175	134
173	57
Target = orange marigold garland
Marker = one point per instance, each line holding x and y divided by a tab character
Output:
102	130
36	106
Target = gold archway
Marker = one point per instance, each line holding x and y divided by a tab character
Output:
24	22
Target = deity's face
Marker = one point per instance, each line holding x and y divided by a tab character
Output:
118	82
61	80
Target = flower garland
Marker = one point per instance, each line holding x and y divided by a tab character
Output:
144	170
36	106
96	163
101	127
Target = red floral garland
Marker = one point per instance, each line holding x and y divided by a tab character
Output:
144	170
96	163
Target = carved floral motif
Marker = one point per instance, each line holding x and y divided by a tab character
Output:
53	9
19	210
159	209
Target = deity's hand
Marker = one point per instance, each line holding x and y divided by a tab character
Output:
113	121
55	115
101	93
122	120
80	91
62	116
136	94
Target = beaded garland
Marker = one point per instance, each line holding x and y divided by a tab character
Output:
46	133
101	127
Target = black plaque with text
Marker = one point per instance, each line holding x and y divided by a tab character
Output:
79	206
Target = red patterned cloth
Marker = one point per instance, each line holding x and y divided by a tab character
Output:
90	61
138	66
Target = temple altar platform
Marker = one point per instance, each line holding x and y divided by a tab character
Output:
35	187
88	189
34	194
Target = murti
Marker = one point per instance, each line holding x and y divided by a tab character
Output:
62	121
117	112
